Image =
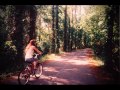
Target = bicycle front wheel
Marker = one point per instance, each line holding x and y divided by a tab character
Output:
39	70
24	77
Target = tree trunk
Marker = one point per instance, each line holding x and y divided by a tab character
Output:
53	28
65	30
32	22
57	31
18	35
69	36
109	44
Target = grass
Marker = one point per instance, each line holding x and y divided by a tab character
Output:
4	75
96	61
48	57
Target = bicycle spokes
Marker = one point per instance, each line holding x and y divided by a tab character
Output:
24	77
38	71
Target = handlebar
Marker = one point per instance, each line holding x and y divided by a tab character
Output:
37	56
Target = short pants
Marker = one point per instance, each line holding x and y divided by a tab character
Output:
30	59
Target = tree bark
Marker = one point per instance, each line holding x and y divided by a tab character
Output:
53	28
65	30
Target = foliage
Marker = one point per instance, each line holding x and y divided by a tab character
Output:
10	48
75	27
8	57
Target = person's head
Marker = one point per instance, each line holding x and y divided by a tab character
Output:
32	42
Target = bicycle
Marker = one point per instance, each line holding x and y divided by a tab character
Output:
24	75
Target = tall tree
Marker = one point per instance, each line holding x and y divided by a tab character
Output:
3	38
18	31
109	44
75	23
57	30
116	49
10	20
65	31
69	35
72	30
53	29
33	14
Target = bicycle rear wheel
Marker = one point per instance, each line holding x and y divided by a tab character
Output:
24	76
39	70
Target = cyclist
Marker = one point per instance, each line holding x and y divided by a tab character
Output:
29	51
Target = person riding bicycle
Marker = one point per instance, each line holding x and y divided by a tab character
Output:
29	51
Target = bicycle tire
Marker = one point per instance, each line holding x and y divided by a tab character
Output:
24	76
39	70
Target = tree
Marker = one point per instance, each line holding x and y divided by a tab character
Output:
65	31
18	31
53	28
32	21
57	30
110	44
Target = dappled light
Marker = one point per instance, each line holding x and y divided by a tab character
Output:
50	69
96	62
69	63
79	43
76	62
69	69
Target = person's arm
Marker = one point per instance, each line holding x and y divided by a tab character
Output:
39	52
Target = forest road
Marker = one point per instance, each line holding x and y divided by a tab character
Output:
71	68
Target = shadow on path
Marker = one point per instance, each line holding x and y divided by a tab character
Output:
73	68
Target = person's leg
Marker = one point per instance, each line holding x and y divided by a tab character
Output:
30	60
34	64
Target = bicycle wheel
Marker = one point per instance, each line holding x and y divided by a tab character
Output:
24	76
39	70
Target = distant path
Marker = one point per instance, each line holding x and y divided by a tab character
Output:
72	68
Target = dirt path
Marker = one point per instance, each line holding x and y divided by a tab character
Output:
72	68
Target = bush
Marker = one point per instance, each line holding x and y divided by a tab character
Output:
8	57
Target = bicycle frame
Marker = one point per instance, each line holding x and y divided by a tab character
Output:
28	70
